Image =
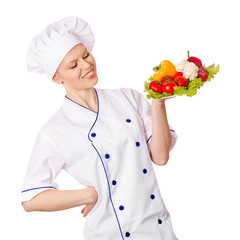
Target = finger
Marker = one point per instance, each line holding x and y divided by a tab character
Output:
84	213
84	210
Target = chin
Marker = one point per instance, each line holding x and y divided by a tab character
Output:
95	79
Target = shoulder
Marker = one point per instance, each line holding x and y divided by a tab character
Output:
128	93
52	124
125	97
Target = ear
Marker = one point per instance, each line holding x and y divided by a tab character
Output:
56	79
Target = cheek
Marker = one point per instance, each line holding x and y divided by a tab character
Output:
91	59
73	74
70	77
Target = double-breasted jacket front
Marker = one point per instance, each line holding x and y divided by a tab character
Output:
109	150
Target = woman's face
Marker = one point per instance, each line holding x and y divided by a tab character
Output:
77	71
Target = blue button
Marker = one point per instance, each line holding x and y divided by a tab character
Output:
107	156
127	234
144	170
121	207
137	144
159	221
152	196
93	134
114	182
128	120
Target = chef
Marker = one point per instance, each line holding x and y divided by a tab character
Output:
107	139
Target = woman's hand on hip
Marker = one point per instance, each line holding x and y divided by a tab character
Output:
94	197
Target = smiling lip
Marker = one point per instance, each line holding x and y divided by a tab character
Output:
89	76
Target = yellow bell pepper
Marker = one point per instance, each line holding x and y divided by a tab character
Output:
164	68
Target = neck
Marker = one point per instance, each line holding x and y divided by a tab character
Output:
86	98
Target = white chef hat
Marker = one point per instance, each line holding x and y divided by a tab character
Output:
47	50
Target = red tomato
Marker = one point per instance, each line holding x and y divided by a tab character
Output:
178	74
181	81
166	78
168	87
155	86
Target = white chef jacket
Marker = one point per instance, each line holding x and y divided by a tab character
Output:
109	150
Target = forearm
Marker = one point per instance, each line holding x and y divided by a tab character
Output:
55	200
161	137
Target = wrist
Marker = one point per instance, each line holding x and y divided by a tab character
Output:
91	195
158	103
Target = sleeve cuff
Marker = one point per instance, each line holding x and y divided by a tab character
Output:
149	139
174	138
30	193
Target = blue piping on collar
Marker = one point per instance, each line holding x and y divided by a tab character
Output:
80	104
96	116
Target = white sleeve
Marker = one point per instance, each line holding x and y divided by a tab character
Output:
145	112
174	137
45	163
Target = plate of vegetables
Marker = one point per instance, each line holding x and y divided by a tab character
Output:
185	78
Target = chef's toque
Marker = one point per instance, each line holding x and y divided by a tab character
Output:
47	50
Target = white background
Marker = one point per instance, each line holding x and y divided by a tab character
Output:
200	183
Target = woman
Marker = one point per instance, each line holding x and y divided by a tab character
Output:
106	139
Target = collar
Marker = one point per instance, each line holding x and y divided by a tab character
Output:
78	114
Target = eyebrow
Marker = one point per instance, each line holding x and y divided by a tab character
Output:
76	59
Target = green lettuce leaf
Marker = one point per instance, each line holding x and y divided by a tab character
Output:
212	70
183	90
195	83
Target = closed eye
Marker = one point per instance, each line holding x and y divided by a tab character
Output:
86	55
83	58
74	66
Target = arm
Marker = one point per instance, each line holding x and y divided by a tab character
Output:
161	140
158	135
55	200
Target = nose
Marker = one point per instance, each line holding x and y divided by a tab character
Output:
85	64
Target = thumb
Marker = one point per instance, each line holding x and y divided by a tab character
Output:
83	210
